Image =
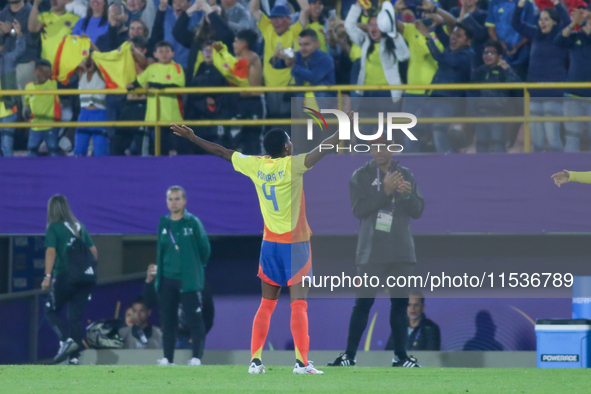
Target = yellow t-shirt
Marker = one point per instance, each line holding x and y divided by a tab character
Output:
289	39
4	112
55	28
117	67
319	29
374	72
170	104
421	66
280	188
44	108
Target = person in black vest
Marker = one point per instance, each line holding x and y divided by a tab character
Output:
62	230
423	333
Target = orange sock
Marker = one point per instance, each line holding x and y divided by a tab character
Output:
260	327
299	330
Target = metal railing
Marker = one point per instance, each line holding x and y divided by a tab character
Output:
526	119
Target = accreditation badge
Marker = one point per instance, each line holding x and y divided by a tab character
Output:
384	222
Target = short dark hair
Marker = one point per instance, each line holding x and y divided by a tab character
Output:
207	43
249	36
140	42
42	63
552	13
417	294
163	44
177	188
469	32
309	33
495	44
274	142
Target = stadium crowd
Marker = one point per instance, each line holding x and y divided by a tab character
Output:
106	44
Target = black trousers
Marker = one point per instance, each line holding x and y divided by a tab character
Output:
75	297
169	297
365	300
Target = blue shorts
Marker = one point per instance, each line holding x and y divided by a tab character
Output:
279	260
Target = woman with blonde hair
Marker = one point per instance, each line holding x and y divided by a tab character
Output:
63	231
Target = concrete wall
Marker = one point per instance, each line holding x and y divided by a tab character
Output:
365	359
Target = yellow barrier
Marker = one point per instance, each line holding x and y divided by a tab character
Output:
157	124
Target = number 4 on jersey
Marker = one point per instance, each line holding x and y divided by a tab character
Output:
271	196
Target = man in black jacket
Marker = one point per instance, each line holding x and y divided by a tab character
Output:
423	333
384	197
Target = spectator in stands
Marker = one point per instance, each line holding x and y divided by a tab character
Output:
212	27
473	18
453	67
423	333
96	22
56	24
183	253
144	10
19	10
379	52
164	74
339	47
208	106
142	335
130	140
250	105
492	102
179	7
516	47
309	65
548	63
578	44
277	30
118	32
317	22
239	17
8	104
43	108
92	110
421	69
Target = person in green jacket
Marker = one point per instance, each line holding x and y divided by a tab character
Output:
62	229
183	252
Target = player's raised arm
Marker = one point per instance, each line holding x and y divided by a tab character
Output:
323	149
214	149
565	176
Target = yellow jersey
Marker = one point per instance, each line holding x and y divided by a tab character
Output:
289	39
374	71
319	29
55	28
117	67
421	66
43	108
170	104
71	51
280	187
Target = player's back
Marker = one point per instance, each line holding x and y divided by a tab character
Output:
279	186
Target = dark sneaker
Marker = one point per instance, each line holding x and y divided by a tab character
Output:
342	361
409	362
66	348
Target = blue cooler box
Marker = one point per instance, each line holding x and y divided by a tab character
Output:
563	343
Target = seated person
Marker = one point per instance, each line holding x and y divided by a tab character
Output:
129	317
142	335
423	334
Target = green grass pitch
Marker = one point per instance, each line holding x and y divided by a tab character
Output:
232	378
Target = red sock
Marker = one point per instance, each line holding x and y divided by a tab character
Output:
299	330
260	327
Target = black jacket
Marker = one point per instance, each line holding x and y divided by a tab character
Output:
186	37
495	99
397	246
425	336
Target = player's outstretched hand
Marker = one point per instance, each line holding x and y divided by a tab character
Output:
561	177
182	131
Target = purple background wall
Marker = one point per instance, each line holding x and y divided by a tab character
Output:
463	193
